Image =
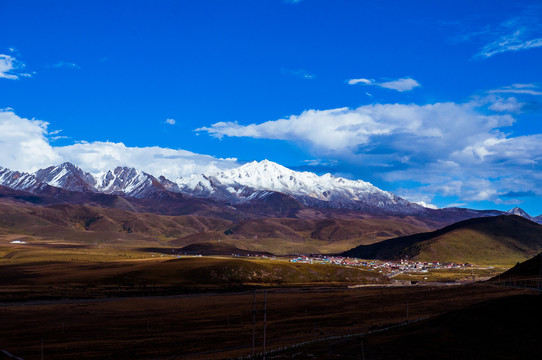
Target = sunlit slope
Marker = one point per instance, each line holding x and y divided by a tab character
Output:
491	240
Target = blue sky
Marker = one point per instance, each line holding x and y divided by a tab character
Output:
436	101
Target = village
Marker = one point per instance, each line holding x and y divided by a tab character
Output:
389	268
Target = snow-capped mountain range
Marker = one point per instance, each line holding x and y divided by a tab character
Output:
250	182
120	181
241	184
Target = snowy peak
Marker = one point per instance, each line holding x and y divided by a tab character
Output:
18	180
67	176
120	181
310	189
168	184
520	212
128	181
267	175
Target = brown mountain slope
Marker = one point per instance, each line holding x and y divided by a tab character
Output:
503	239
287	236
98	225
83	223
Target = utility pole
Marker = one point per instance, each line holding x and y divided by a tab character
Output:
264	320
362	350
539	270
253	323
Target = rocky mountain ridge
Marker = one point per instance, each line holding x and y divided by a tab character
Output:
252	183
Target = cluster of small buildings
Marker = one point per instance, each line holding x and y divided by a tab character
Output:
378	265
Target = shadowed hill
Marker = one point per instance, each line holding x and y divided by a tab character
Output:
502	328
503	239
495	329
525	274
218	248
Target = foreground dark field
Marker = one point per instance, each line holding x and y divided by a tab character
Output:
504	328
216	326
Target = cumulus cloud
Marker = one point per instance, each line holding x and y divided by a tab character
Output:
11	68
25	145
170	121
99	156
347	131
510	105
401	85
451	149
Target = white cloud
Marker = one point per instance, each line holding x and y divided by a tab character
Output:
99	156
331	130
170	121
360	81
510	105
518	33
407	128
525	89
25	145
405	84
401	85
9	66
515	41
320	162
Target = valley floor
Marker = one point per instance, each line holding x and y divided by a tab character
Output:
95	303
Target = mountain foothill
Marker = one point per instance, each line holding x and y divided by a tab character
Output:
258	207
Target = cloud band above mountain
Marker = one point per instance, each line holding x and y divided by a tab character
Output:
25	146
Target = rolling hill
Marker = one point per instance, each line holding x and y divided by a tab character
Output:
503	239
